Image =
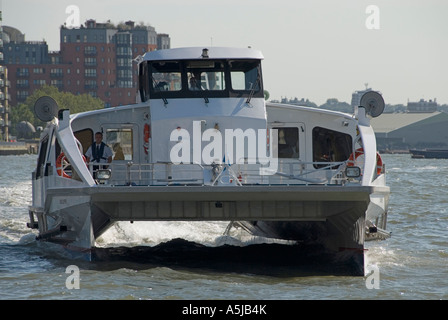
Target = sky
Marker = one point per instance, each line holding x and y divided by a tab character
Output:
313	49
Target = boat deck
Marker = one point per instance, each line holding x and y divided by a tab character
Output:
222	203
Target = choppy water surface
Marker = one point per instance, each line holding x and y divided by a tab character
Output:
413	264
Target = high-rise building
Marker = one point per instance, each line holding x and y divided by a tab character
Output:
5	123
96	58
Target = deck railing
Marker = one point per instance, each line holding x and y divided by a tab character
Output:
164	174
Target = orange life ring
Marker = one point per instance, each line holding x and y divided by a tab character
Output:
147	132
360	151
62	163
146	136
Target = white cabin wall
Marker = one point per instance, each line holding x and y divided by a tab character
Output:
229	113
133	116
311	118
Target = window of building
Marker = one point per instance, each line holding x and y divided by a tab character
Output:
57	83
22	95
90	72
22	83
38	82
90	50
56	72
90	61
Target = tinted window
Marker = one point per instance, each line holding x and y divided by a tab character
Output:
42	156
288	143
330	146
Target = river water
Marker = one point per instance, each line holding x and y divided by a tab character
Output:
412	264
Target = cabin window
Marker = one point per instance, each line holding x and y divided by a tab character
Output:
205	75
42	156
120	141
166	76
200	79
143	82
330	146
85	137
288	143
245	75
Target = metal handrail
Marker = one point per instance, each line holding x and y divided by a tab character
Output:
167	173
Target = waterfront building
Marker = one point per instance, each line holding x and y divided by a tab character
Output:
5	123
96	58
423	106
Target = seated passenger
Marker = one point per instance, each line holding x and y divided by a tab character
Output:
119	155
194	84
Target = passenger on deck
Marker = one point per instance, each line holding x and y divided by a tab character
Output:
99	152
119	155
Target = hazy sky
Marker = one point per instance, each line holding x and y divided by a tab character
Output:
315	49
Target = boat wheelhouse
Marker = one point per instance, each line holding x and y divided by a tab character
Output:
201	143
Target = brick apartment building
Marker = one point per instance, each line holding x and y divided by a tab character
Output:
96	58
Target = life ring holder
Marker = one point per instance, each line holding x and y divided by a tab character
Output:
62	163
360	151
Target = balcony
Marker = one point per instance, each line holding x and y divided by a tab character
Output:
56	75
21	73
22	85
90	53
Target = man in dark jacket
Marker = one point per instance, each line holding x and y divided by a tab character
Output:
99	152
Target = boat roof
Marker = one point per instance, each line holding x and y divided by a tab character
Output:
191	53
309	109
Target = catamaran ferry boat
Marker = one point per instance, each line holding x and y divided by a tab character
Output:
201	143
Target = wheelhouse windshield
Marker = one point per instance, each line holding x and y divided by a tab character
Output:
200	78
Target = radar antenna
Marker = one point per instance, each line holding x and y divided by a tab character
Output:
46	108
373	102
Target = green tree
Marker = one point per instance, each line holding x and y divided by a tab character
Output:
65	100
336	105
